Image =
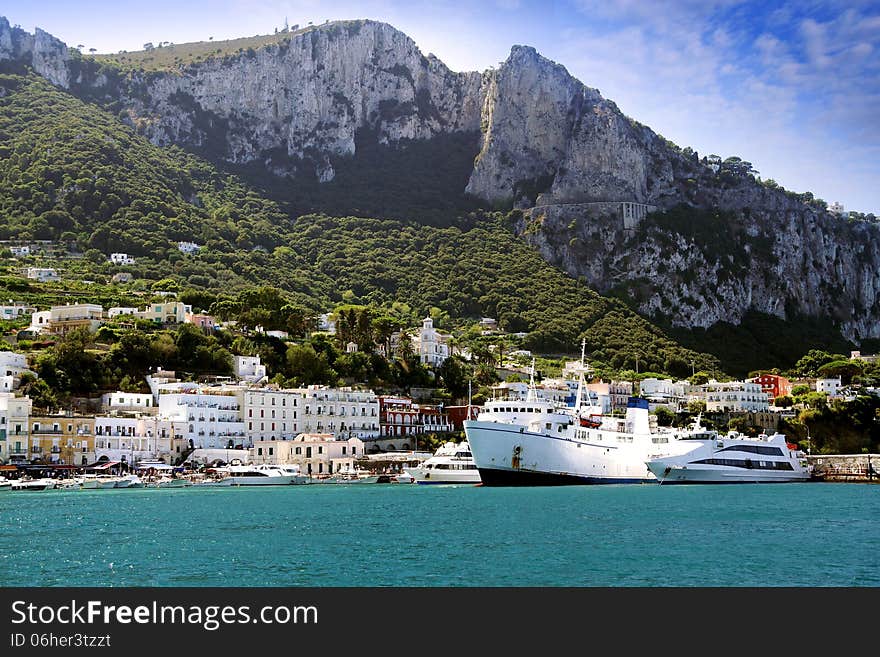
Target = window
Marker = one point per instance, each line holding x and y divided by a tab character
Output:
299	450
343	449
259	451
271	451
320	449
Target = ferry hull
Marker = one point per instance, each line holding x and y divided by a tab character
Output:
691	475
508	455
492	477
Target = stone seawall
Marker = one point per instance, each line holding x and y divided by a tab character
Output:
846	467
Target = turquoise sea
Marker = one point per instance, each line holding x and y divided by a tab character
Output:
405	535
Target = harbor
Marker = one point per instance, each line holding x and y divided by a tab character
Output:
390	535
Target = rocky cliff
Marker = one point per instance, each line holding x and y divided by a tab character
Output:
722	245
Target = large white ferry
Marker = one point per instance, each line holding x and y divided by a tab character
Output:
539	443
734	458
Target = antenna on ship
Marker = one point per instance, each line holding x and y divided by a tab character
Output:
581	381
532	395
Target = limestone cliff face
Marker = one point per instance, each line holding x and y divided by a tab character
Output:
548	144
769	253
44	53
544	132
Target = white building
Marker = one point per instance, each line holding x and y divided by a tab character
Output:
20	251
170	312
121	259
271	414
132	438
12	364
326	324
188	247
128	401
15	415
42	274
316	454
15	310
118	311
664	392
837	208
830	387
431	345
731	396
248	368
209	417
341	411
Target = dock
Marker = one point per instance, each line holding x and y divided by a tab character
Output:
846	467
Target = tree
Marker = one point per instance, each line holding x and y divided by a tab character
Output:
665	417
783	401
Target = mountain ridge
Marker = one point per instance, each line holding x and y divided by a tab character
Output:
547	144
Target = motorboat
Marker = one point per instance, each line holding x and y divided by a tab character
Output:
259	475
129	481
5	484
452	463
734	458
28	484
402	478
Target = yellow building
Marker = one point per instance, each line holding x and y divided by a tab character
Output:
63	439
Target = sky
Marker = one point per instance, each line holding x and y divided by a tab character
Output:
792	87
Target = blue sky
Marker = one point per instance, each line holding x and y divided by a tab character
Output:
792	87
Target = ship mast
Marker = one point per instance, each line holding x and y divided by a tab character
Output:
532	395
582	384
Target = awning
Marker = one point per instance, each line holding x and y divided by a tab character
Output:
8	468
154	466
103	466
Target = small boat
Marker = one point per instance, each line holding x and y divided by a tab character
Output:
171	482
129	481
734	458
350	475
402	478
212	482
5	484
34	484
69	484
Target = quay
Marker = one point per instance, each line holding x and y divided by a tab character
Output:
846	467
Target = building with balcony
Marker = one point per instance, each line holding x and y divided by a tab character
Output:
271	414
42	274
730	396
134	437
65	439
169	312
14	430
343	412
206	417
315	454
773	384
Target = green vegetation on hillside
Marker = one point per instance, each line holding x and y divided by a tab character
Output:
165	56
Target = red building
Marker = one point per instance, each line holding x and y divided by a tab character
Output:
774	385
398	416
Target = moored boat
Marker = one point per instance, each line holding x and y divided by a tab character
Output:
734	458
453	463
538	442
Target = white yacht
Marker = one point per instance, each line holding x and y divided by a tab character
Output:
734	458
258	475
453	463
44	483
539	443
